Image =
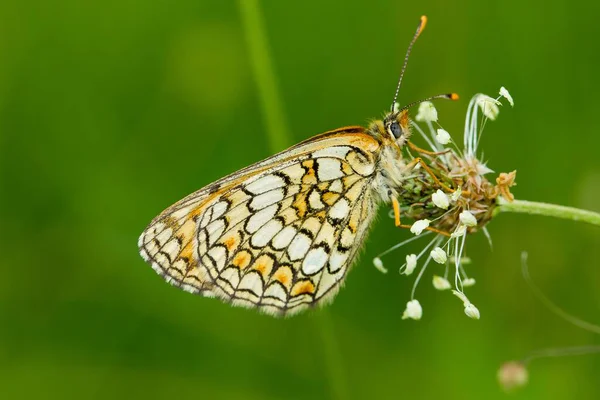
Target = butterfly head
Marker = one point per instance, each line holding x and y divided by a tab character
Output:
397	126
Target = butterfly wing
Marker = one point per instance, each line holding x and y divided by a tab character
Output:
279	235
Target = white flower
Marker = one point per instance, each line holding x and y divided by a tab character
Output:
413	310
439	255
471	311
442	137
468	282
456	195
427	112
419	226
379	265
504	93
440	199
411	264
467	218
441	283
459	231
489	106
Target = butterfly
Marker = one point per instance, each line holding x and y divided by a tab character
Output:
281	235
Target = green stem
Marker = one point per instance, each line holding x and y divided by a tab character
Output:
548	210
278	139
262	68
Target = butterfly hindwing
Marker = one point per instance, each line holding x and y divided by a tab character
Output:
279	235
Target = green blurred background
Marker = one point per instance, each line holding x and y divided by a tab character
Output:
110	111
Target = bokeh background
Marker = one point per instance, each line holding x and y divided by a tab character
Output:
112	110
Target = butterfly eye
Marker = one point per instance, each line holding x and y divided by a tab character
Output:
394	129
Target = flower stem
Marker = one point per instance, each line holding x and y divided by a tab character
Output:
264	75
548	210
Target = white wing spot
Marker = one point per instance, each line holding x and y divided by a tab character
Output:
260	218
164	236
329	169
181	213
299	247
295	173
266	233
219	209
347	238
172	248
232	276
252	282
205	218
266	199
336	186
215	230
337	260
283	238
314	261
276	291
218	254
265	183
340	209
314	199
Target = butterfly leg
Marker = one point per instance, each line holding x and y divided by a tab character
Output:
429	171
396	207
423	151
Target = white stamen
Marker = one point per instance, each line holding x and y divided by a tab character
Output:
456	195
462	261
468	282
489	106
504	93
471	311
419	226
439	255
440	199
379	265
411	264
459	231
427	112
443	137
441	283
467	218
413	310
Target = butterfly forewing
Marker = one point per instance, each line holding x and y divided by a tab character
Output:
279	235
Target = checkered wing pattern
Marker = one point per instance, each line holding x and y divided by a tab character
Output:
279	235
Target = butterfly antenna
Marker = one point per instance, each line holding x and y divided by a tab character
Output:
447	96
420	28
